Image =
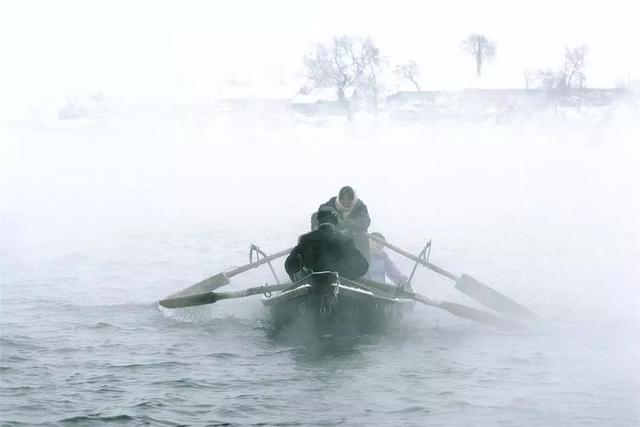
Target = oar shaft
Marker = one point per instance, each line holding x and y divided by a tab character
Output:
255	264
211	297
456	309
427	264
398	291
470	287
222	278
251	291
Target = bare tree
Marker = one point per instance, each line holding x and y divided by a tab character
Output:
371	81
530	77
551	79
570	76
347	62
480	48
574	67
410	71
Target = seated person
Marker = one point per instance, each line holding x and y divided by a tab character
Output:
325	249
353	217
381	266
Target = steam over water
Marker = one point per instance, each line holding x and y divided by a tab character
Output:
99	223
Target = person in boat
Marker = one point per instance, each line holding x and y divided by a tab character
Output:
353	217
381	266
325	249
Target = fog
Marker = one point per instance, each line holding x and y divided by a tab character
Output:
552	204
144	147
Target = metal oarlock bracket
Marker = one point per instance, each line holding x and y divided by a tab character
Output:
423	255
259	252
267	294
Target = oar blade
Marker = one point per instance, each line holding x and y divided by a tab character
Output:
492	298
189	300
479	316
206	285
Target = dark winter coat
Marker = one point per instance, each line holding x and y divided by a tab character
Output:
325	249
358	220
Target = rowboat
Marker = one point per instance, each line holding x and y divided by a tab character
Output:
323	303
317	306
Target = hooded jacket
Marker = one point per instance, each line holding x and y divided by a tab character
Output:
325	249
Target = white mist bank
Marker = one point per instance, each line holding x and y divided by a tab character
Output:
550	207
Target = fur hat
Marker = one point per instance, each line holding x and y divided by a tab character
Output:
327	215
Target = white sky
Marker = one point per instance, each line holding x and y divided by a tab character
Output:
157	50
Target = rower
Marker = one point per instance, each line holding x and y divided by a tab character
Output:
326	249
381	266
353	217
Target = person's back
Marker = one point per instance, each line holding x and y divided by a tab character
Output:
325	249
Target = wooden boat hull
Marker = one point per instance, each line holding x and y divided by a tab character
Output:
332	309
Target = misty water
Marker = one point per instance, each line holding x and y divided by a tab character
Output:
101	221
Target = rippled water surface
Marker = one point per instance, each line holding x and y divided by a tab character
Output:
101	224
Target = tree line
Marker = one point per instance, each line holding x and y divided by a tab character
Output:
352	64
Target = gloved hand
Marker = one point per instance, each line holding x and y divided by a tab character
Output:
314	221
405	285
347	224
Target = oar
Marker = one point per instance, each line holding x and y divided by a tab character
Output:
211	297
221	279
470	286
456	309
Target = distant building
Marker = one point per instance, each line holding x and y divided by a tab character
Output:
239	96
319	101
480	104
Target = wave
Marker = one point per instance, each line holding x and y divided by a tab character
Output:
165	364
120	418
21	342
200	384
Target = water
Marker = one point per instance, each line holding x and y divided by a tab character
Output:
98	224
